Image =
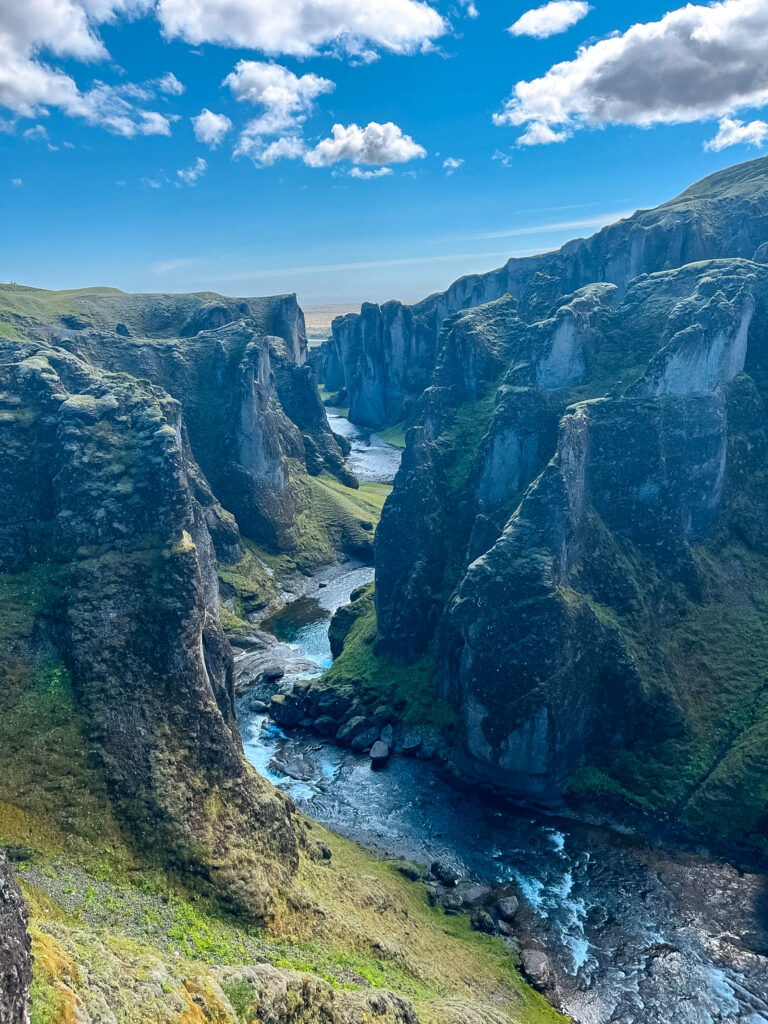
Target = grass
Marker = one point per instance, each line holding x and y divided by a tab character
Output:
394	435
377	680
704	671
469	427
354	923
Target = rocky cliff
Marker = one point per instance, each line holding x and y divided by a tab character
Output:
382	359
105	508
585	548
15	951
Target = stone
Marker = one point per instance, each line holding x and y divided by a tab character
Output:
482	921
15	950
347	732
444	873
537	966
325	725
388	735
508	907
410	743
365	739
284	711
379	754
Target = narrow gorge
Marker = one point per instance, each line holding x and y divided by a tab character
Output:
416	677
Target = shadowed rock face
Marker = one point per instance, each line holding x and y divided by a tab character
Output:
15	951
250	401
587	539
99	487
383	358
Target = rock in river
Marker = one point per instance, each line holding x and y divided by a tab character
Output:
379	754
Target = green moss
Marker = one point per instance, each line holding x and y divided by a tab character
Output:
376	680
45	1003
8	331
469	427
703	666
394	435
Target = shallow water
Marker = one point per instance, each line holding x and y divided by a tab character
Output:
637	934
371	459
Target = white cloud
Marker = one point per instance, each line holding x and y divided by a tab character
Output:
170	84
505	158
737	133
286	101
210	128
68	28
374	144
380	172
539	134
290	147
151	183
302	28
451	164
286	98
551	19
697	63
17	182
190	175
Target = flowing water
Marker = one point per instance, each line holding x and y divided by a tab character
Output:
636	933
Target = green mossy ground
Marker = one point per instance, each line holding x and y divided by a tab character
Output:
394	435
373	679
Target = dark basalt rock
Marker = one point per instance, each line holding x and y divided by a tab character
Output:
98	485
579	494
15	951
384	356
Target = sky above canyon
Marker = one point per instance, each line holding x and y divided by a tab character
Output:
353	149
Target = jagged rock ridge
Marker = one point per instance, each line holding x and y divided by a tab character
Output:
382	358
587	532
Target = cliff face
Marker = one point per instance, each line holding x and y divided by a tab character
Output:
15	951
249	400
383	358
101	495
585	549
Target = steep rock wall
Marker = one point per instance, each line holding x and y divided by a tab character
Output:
382	358
100	489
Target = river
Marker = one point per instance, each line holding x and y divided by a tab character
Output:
636	933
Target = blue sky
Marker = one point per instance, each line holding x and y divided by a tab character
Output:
90	185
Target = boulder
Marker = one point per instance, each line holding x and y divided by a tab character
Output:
537	966
15	950
483	922
444	873
351	729
285	711
325	725
379	754
410	743
365	739
507	908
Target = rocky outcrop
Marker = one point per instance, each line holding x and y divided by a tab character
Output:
382	359
288	997
15	951
100	490
586	541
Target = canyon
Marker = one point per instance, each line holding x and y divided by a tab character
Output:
516	548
